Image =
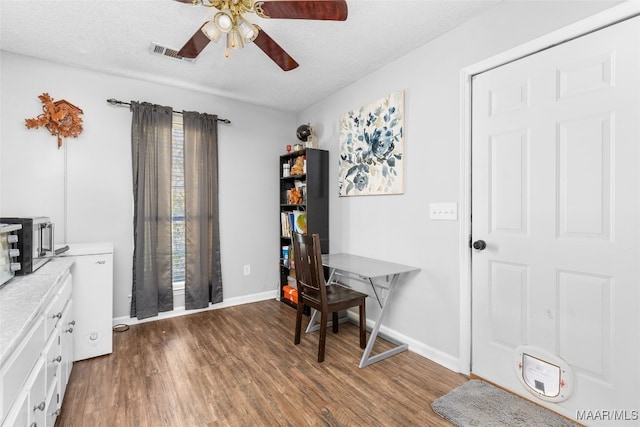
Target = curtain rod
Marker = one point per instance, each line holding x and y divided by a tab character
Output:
113	101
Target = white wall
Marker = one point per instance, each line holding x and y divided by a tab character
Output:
426	311
98	168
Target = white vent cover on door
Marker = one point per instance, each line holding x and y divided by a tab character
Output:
156	49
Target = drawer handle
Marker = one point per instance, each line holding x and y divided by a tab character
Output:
73	322
55	413
40	407
57	359
33	424
101	262
70	330
59	315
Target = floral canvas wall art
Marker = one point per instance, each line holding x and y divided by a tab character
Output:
372	148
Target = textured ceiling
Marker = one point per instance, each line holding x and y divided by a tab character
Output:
114	36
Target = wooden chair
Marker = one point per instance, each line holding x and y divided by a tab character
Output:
314	292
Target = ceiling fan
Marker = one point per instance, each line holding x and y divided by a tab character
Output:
230	21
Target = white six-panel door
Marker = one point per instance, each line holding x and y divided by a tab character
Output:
556	198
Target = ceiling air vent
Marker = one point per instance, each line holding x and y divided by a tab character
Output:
156	49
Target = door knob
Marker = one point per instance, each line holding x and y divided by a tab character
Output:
479	245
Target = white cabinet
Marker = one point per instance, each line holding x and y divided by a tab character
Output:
19	415
35	371
17	368
30	407
37	395
57	355
52	355
67	330
93	299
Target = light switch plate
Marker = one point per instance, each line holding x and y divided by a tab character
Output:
443	211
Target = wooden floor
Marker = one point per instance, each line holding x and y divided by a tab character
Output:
238	366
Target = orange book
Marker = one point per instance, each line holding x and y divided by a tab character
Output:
290	293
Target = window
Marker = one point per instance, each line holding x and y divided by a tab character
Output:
177	204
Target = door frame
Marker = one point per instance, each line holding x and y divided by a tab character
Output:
593	23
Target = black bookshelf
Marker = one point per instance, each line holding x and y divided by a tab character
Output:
315	180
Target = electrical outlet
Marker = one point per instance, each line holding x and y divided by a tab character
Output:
246	269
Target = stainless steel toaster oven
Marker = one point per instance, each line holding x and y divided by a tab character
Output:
35	242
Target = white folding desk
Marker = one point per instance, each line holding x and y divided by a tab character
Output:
382	276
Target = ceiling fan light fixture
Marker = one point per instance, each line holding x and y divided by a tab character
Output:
228	18
223	20
234	40
211	30
247	30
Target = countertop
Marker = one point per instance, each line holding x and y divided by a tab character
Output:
23	298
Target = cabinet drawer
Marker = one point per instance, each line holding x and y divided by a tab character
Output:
37	394
53	406
17	368
53	312
67	333
19	415
53	358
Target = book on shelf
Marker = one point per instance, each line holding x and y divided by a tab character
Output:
292	223
295	221
287	257
286	221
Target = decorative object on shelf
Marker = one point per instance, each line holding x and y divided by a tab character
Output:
288	148
300	222
295	196
298	166
372	148
305	134
61	118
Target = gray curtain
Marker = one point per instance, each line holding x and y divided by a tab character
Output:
203	281
151	154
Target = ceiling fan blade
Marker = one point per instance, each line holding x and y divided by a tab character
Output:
329	10
275	52
194	45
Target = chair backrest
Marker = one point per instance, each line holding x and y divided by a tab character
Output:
309	271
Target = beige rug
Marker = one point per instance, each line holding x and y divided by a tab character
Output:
479	404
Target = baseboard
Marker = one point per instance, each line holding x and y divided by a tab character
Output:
181	311
441	358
